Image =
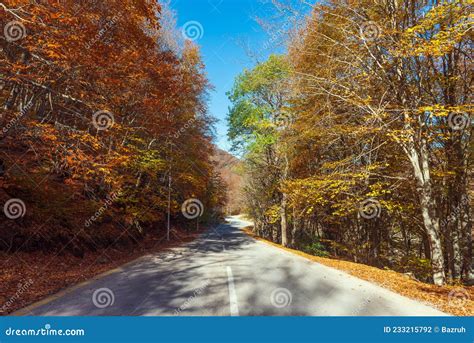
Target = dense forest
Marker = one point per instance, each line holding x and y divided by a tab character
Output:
352	151
358	141
104	126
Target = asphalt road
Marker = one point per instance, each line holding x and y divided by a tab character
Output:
224	273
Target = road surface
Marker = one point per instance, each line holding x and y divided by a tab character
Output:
227	273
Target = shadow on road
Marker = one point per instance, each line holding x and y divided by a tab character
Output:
194	280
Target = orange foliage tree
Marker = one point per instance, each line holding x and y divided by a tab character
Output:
95	104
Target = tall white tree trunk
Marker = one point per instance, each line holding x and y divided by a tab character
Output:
284	222
420	163
283	205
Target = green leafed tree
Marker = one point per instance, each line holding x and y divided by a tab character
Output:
257	121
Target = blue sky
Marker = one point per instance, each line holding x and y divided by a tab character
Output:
228	26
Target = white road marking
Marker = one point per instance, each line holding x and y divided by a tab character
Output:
234	307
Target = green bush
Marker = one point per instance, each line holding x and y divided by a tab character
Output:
316	248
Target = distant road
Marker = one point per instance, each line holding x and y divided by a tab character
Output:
223	273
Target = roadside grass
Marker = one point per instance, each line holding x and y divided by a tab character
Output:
455	300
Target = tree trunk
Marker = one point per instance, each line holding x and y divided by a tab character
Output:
284	222
283	205
419	161
466	231
457	256
293	230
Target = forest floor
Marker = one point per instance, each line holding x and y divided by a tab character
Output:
26	277
456	300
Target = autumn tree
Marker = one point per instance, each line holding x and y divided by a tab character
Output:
105	104
380	163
